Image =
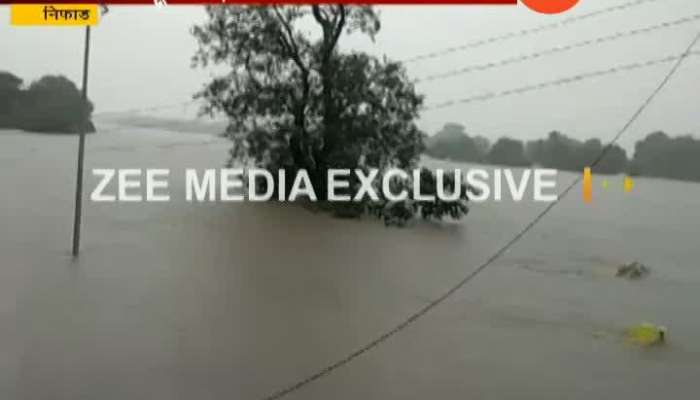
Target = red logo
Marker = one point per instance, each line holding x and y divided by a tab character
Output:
550	6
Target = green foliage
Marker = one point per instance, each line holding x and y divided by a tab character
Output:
483	145
50	104
398	213
559	151
508	152
295	101
10	93
659	155
453	143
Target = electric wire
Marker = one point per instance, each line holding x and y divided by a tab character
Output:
529	31
559	49
561	81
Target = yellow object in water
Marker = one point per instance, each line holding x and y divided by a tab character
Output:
646	334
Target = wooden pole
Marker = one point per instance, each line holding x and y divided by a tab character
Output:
81	152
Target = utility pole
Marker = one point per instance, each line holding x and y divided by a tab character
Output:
81	152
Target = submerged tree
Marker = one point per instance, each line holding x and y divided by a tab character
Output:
295	101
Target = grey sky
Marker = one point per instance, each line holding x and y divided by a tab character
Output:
140	58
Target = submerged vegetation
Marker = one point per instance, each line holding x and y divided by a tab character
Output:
634	270
50	104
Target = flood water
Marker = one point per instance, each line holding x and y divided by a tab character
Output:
204	301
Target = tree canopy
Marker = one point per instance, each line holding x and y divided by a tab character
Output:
10	92
453	143
50	104
508	151
657	155
660	155
557	151
295	101
562	152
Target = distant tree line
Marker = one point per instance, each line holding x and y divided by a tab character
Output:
657	155
561	152
49	104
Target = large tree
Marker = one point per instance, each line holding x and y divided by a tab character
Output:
295	101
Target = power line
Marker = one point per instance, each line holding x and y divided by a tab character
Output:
477	43
560	49
499	38
476	98
440	299
529	31
562	81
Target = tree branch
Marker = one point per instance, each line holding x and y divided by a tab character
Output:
289	41
339	27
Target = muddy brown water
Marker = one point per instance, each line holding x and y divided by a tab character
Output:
234	301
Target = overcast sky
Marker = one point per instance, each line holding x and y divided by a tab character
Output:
141	58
